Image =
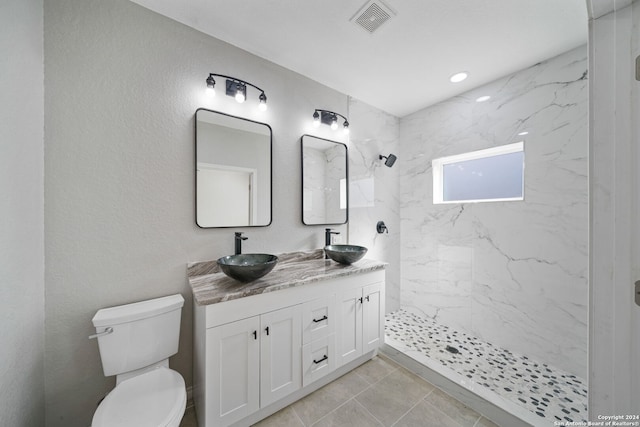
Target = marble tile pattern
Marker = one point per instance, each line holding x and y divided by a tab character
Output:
549	392
511	273
211	286
374	189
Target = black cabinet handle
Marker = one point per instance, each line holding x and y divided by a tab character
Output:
325	357
267	330
321	319
367	298
360	299
255	335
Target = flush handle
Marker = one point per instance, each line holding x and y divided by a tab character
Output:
107	331
637	290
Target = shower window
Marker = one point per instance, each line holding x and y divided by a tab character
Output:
491	175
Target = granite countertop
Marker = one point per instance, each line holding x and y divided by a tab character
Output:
211	286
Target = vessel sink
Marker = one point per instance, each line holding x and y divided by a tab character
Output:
247	267
345	254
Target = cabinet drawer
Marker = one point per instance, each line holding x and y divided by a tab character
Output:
318	359
318	318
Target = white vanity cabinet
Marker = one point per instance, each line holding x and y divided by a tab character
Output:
258	354
235	352
360	321
280	359
255	361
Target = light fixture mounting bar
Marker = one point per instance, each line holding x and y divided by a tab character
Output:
237	88
236	80
327	117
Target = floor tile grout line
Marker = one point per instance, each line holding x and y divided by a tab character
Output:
367	411
410	409
368	386
298	416
445	414
396	367
340	406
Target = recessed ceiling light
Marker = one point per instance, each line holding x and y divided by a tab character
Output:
523	133
483	98
458	77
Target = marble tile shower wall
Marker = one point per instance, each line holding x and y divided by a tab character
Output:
511	273
374	190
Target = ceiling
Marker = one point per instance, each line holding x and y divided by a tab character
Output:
405	64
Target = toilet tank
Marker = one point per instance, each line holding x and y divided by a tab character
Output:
144	333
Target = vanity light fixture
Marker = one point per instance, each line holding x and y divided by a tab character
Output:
237	88
329	118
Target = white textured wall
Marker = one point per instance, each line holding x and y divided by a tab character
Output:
21	214
123	85
512	273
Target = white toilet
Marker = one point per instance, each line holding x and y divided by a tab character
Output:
136	341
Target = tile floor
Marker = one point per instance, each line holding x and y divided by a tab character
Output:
378	393
550	393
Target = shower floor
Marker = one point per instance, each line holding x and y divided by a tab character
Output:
548	392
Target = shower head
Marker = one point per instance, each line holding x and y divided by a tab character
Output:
391	159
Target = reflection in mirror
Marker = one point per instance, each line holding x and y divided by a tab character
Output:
233	171
324	181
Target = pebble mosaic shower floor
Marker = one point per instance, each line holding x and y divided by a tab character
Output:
550	393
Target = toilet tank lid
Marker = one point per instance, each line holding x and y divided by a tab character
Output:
137	310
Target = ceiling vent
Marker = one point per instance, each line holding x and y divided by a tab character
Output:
372	15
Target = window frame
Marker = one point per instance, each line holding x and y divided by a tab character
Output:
437	166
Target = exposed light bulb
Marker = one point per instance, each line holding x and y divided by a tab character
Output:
316	119
263	102
211	84
458	77
345	127
240	97
334	125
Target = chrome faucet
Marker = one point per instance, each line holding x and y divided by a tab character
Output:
239	238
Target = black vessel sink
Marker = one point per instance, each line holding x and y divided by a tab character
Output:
345	254
247	267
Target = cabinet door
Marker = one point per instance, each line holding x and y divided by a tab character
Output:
318	318
232	371
372	317
349	325
280	344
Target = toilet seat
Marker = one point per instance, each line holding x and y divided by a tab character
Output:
155	399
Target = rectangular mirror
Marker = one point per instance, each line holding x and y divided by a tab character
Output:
325	194
233	171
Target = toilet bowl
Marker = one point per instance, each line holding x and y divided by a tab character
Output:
154	399
135	342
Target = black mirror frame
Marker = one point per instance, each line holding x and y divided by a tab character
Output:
346	149
195	176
